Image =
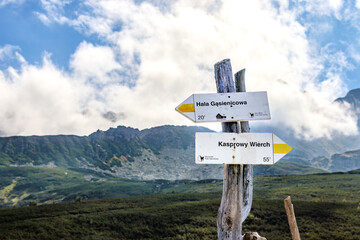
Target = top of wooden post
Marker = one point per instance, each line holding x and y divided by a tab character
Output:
225	84
240	81
224	77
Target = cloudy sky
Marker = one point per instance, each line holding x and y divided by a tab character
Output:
72	67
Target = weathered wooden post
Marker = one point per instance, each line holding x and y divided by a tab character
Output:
233	150
289	208
247	169
231	212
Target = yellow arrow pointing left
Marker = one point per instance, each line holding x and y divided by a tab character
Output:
187	107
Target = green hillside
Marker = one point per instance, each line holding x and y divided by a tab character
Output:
284	167
326	206
20	186
164	152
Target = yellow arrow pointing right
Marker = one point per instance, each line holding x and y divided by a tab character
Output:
281	148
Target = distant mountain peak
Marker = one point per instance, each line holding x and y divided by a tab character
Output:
354	92
126	132
352	97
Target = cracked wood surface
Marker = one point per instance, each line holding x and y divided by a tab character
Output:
238	179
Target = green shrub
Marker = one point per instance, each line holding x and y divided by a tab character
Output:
78	199
32	203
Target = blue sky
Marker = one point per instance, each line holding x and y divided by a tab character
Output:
73	67
22	27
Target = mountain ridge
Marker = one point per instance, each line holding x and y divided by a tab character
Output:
163	152
167	152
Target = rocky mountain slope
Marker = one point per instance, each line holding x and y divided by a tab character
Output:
340	162
344	158
335	154
162	152
165	152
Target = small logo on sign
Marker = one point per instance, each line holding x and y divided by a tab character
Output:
201	158
252	115
219	116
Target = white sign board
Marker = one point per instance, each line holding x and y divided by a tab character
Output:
239	148
226	107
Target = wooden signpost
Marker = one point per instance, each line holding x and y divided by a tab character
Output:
236	148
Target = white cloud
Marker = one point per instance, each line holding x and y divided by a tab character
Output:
322	7
10	56
95	63
168	52
172	46
45	100
8	51
54	10
354	52
43	18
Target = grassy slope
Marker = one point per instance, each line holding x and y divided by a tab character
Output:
286	168
19	186
326	206
173	216
57	184
328	187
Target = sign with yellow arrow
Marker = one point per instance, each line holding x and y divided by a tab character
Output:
239	148
226	107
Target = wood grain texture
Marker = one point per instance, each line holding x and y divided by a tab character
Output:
229	215
247	169
289	208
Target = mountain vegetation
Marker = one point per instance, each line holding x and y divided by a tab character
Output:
21	186
162	152
326	207
165	152
48	169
